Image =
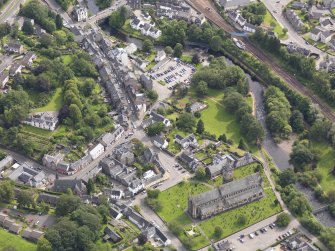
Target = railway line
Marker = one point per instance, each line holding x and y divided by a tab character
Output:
209	10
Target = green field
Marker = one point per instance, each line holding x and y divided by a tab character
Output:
270	21
55	103
174	205
12	240
325	165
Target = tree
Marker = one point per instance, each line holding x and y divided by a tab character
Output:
301	155
155	129
75	113
117	19
168	50
178	50
66	204
287	177
241	219
283	219
147	46
43	245
223	138
218	231
202	89
46	40
186	122
331	195
27	27
200	127
26	198
196	58
6	191
311	225
153	193
297	121
59	22
90	187
215	43
200	173
242	145
142	239
285	30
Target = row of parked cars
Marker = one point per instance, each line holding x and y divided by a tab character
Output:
256	233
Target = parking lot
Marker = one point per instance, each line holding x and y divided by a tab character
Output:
173	72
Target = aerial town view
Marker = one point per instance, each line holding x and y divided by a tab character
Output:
162	125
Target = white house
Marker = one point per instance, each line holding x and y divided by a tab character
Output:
136	186
148	174
315	34
97	151
190	140
326	36
80	13
160	142
43	120
161	55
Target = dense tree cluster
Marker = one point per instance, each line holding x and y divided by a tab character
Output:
254	13
103	4
40	13
78	226
186	122
219	75
302	155
118	18
65	4
278	112
174	32
296	201
283	220
155	129
235	103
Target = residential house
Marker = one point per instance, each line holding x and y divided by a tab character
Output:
97	151
146	81
235	16
28	176
4	78
116	194
109	138
219	163
188	141
6	162
124	154
233	4
189	160
15	228
140	63
15	69
28	59
111	235
148	175
315	13
13	47
48	198
135	4
43	120
299	5
51	161
326	36
332	43
327	23
80	13
156	118
76	185
293	47
32	234
315	34
161	55
250	28
160	142
294	19
115	213
3	217
300	243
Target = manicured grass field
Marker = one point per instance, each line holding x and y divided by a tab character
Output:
269	21
12	240
174	201
55	104
326	165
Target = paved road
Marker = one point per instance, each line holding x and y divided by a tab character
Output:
275	8
8	13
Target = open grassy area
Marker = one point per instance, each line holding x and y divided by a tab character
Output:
12	240
55	103
270	21
174	205
326	164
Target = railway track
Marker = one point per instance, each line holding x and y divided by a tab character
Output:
209	10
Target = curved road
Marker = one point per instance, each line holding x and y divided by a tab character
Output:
208	9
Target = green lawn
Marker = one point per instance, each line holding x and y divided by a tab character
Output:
12	240
326	164
55	104
67	59
270	21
